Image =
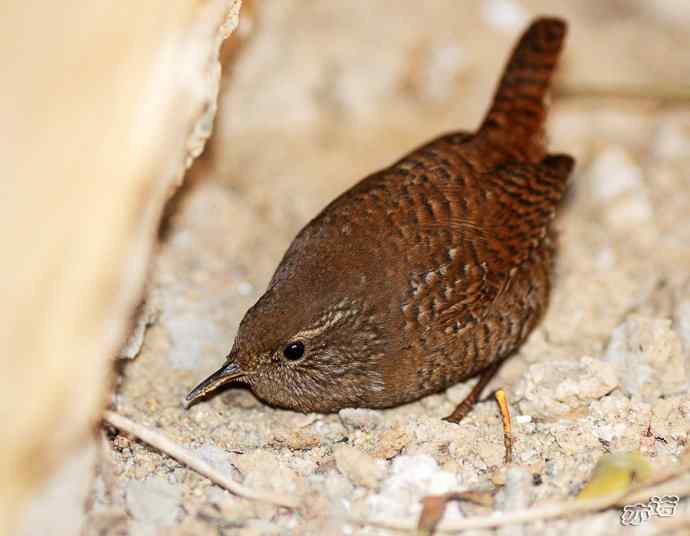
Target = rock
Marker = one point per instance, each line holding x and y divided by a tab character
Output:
646	355
617	183
189	335
391	442
358	467
411	478
326	514
296	440
360	419
669	419
673	137
214	456
337	486
560	388
573	438
218	496
143	108
239	511
618	422
614	172
58	508
264	470
145	316
153	500
489	454
217	458
439	64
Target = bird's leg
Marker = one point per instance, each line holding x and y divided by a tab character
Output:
507	428
466	405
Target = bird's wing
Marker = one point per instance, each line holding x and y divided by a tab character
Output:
522	202
511	215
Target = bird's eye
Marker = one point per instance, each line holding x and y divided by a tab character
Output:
294	350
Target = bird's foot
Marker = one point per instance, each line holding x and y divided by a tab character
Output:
464	407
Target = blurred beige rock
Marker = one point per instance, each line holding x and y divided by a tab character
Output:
154	500
104	105
648	358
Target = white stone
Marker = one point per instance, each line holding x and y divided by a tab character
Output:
153	500
411	478
265	470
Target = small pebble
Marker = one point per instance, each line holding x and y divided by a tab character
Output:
410	479
391	442
358	467
153	500
561	388
360	419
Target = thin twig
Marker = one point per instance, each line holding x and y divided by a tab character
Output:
553	510
500	519
497	519
182	455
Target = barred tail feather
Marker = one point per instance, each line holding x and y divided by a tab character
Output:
517	114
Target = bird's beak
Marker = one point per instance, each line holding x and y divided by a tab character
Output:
228	372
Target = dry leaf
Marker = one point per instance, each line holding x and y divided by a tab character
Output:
433	507
615	473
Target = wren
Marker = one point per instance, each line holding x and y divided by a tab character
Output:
424	274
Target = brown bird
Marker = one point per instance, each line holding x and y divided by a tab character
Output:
423	274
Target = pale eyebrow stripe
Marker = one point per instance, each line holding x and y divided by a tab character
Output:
313	332
309	333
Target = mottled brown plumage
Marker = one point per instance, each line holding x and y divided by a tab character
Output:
423	274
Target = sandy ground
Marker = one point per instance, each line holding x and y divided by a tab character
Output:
316	99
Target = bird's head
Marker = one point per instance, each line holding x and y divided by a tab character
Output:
308	351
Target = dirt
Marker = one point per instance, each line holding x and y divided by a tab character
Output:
319	97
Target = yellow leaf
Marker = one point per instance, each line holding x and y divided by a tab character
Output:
615	473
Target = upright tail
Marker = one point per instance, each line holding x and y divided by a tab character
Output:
517	114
